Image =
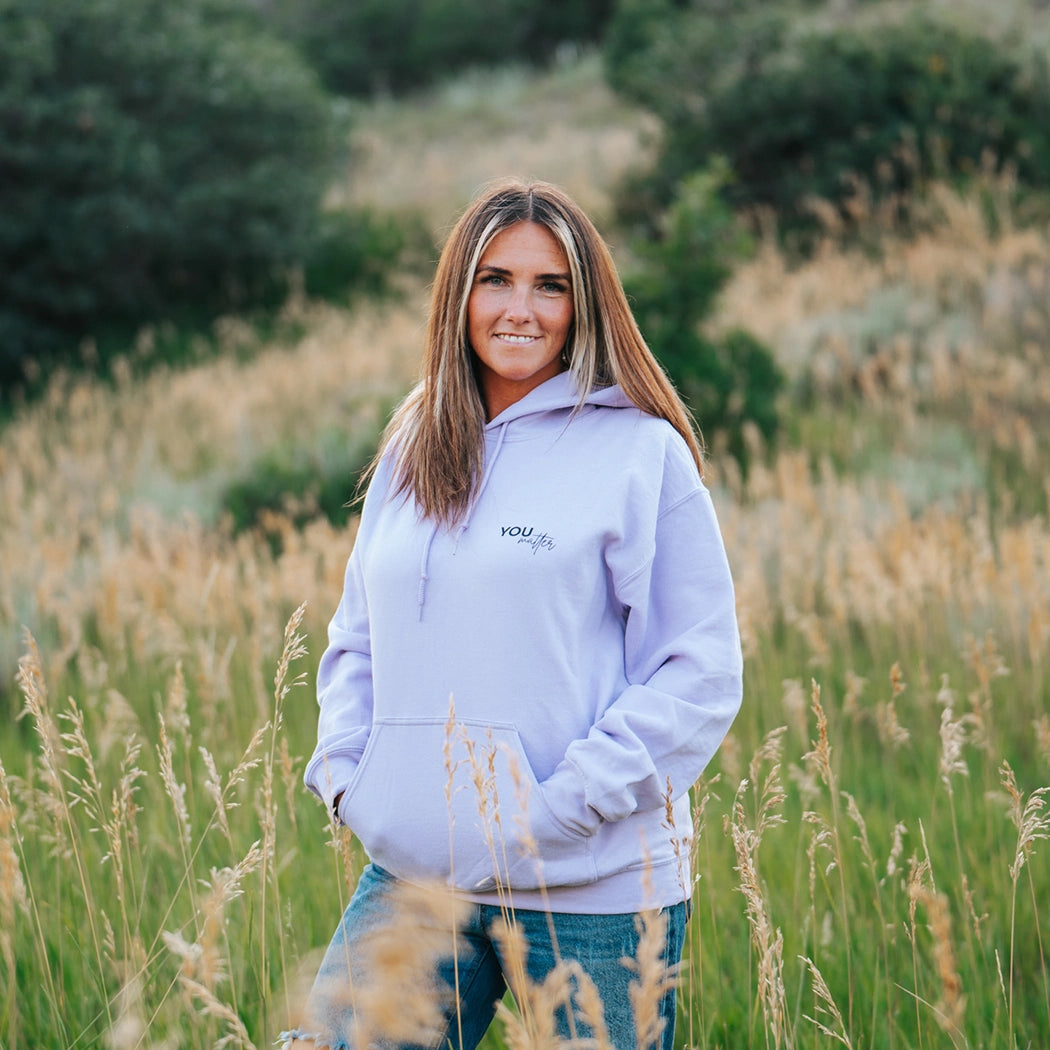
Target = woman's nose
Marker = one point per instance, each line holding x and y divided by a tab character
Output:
518	308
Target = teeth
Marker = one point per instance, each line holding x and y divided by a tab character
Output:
517	338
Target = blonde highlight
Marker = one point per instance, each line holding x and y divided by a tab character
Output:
436	436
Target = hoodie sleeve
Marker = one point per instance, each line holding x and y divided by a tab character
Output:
682	661
344	692
344	675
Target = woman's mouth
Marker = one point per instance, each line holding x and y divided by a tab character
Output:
506	337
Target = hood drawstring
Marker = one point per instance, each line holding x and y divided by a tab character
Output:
421	596
462	527
465	523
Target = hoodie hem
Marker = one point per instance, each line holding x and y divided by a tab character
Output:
631	890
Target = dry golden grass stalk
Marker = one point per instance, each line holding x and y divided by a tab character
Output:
1041	727
919	883
654	978
825	1005
54	797
225	886
768	942
288	765
12	884
129	1028
175	711
534	1026
954	737
398	999
294	648
213	786
211	1006
223	793
891	732
1031	818
683	845
820	755
769	791
12	895
176	792
951	1006
204	966
828	835
896	849
590	1008
854	813
822	839
31	681
121	827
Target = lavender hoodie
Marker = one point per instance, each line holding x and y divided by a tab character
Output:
509	706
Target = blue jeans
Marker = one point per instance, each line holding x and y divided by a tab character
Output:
477	969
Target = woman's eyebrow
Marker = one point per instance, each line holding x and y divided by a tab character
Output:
504	272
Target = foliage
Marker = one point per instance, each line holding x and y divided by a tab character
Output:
731	382
361	252
373	46
153	156
291	485
811	115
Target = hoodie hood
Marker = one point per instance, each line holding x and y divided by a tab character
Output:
559	397
558	393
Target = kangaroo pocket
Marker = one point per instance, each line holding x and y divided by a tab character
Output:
644	840
460	803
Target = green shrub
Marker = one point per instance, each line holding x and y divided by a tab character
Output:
374	46
729	383
891	105
152	156
360	251
300	483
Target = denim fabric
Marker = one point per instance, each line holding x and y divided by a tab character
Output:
598	943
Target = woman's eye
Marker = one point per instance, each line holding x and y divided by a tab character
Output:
554	287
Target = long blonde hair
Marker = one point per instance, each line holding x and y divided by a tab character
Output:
436	435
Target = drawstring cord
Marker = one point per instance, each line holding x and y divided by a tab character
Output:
424	566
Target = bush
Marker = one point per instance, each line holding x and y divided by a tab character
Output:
890	105
376	46
728	384
296	484
359	251
152	156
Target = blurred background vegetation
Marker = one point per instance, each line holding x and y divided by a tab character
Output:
164	161
164	168
175	163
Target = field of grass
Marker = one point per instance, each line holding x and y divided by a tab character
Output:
872	865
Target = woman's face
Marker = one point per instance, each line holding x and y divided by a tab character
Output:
519	313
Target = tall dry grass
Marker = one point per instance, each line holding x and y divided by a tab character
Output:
567	127
872	858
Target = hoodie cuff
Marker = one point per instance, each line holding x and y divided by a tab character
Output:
327	777
565	791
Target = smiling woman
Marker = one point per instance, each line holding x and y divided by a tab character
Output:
519	314
536	543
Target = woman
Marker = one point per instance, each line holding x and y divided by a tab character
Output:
536	652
